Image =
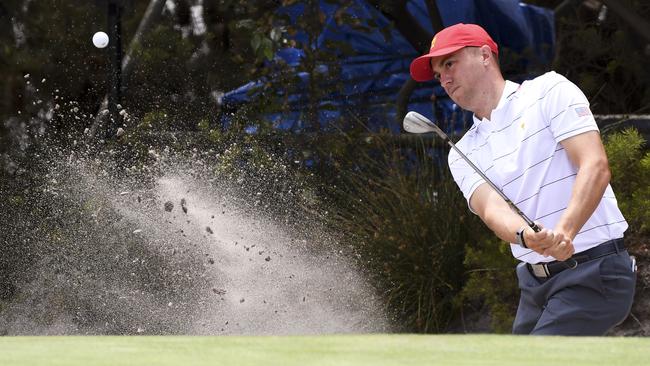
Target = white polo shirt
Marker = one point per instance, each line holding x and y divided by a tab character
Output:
519	150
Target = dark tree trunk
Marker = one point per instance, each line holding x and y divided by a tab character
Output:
416	35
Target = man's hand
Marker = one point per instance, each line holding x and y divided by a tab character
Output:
541	241
563	251
549	243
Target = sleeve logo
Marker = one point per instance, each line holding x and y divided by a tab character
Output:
583	111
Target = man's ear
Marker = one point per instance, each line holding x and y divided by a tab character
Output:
486	54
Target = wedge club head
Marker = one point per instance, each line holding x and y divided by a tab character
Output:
414	122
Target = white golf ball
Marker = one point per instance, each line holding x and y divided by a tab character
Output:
100	39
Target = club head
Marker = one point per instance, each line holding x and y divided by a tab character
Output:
414	122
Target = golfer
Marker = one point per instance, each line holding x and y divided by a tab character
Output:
539	143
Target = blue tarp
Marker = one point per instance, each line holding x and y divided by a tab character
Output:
379	66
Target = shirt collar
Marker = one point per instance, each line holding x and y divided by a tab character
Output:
508	90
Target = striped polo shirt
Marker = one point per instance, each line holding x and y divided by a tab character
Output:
519	150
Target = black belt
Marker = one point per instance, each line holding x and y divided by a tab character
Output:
550	269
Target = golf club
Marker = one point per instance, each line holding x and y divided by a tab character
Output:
417	123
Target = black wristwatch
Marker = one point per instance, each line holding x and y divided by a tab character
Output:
520	237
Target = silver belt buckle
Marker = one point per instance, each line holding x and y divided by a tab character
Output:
539	270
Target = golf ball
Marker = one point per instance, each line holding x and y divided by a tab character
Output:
100	39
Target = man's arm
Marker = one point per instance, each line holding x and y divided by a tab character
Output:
498	216
496	213
587	154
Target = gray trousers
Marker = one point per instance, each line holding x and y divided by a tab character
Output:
588	300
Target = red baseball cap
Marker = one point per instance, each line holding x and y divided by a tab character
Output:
447	41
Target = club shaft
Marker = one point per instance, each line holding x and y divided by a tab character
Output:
417	123
478	171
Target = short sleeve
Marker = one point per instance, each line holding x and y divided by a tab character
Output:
566	109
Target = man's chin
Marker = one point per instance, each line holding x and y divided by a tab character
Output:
454	95
454	98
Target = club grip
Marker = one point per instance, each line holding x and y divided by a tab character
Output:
535	227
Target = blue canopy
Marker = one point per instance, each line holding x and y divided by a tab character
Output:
378	67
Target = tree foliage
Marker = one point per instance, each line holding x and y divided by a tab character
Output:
602	52
630	165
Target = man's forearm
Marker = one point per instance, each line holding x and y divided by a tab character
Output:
588	189
504	222
496	213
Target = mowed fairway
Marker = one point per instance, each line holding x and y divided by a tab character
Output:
373	350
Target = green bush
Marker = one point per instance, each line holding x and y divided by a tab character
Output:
491	283
630	166
410	226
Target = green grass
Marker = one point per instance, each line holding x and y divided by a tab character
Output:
375	350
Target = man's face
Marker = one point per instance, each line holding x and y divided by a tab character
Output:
458	74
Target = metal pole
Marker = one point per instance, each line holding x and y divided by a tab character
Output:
115	69
151	16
